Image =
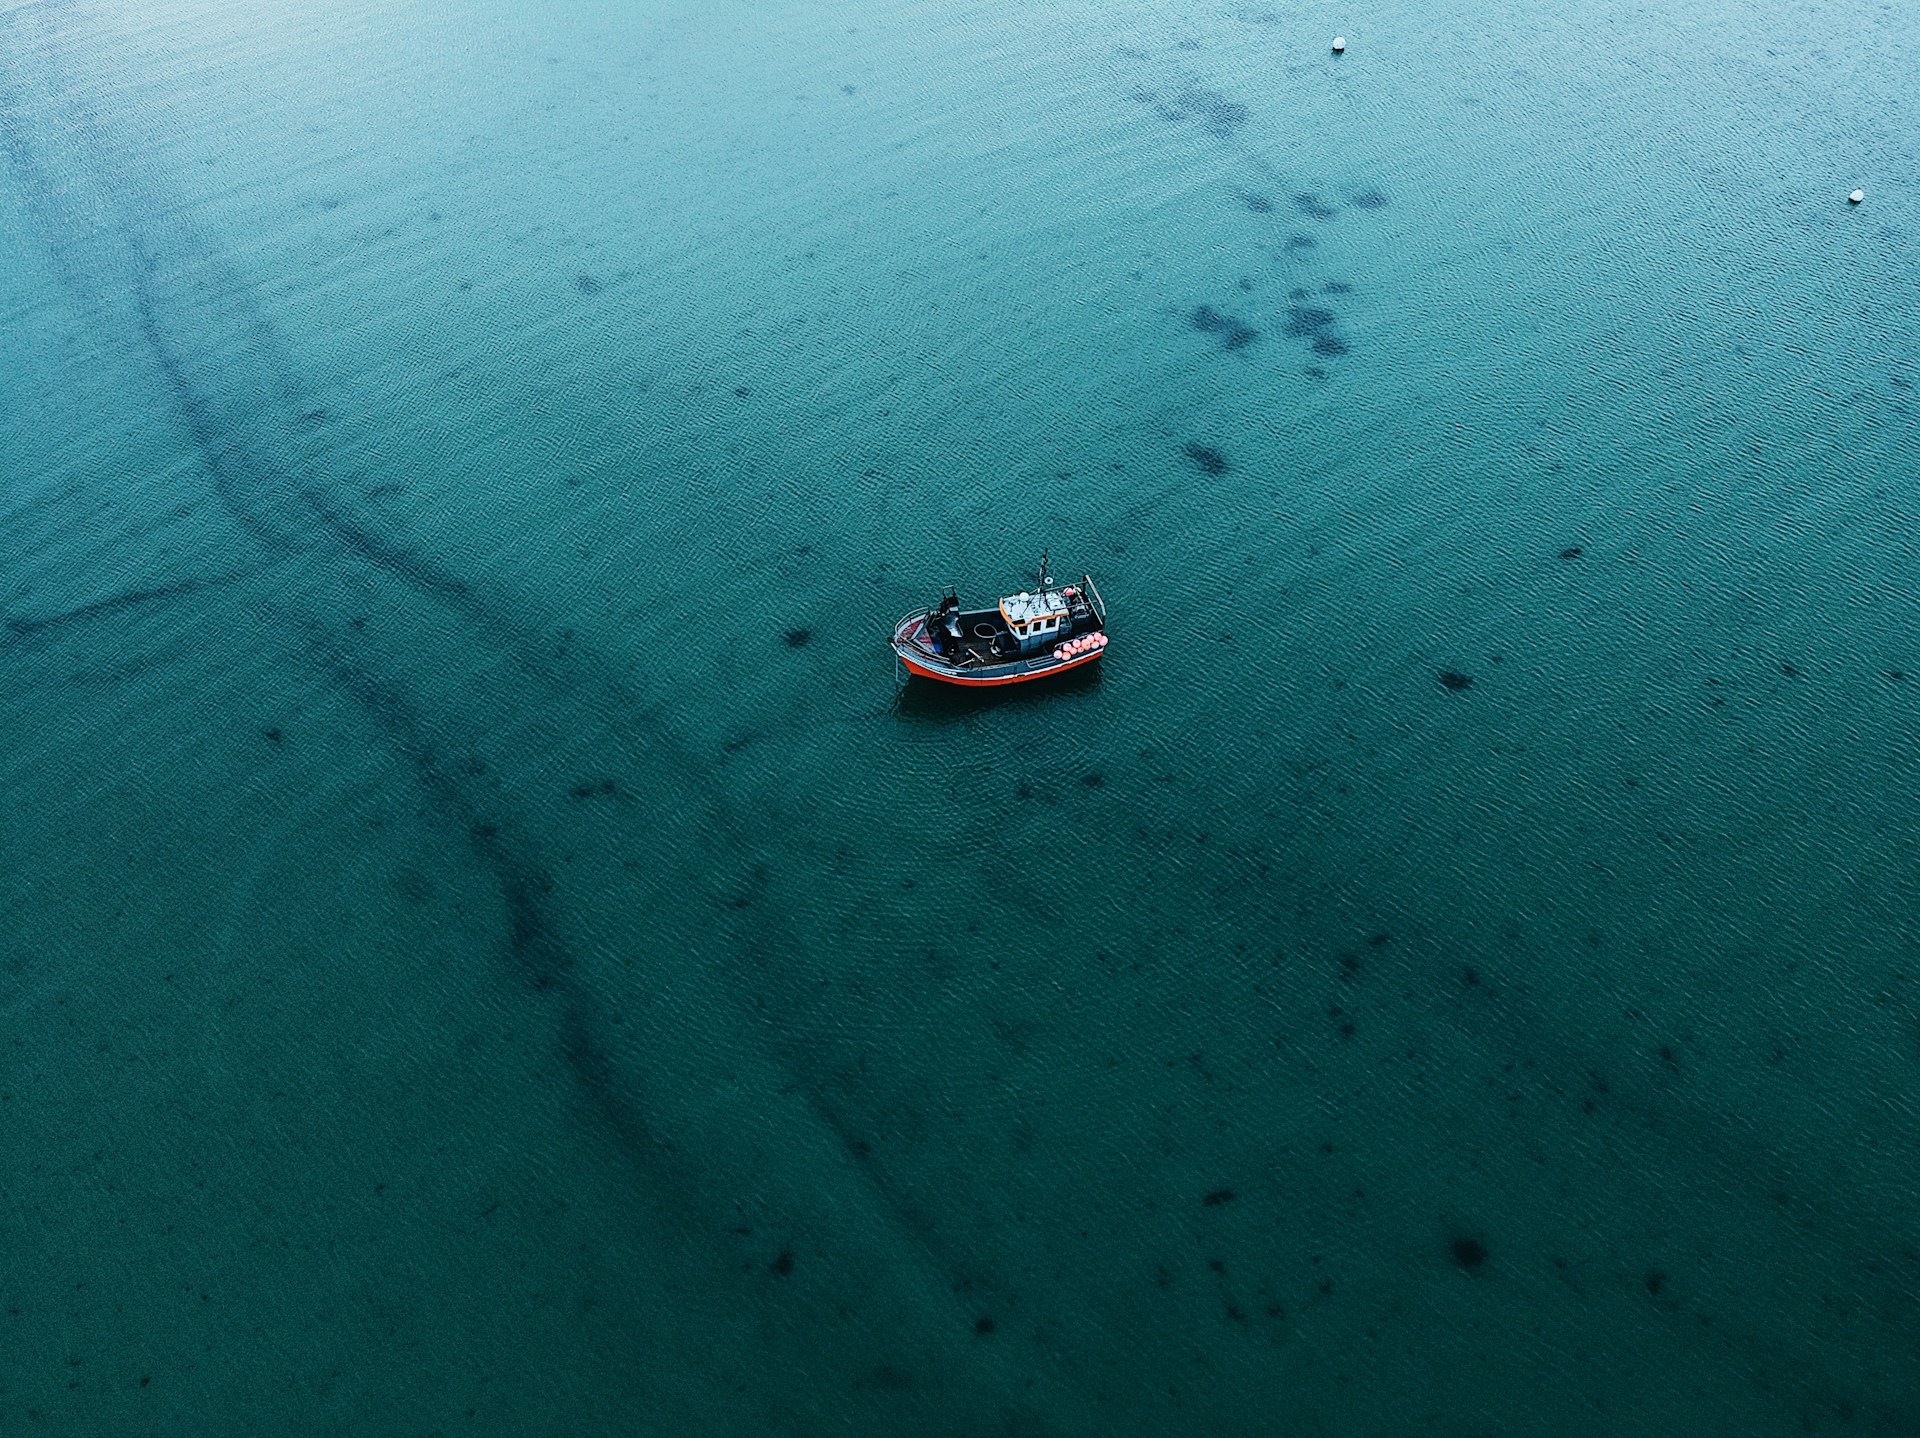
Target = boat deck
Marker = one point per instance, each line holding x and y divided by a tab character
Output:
980	627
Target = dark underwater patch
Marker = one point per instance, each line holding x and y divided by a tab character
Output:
797	638
1298	245
1313	207
1469	1253
1259	204
1314	324
1233	333
1367	199
1217	115
1210	460
587	284
1453	679
1305	321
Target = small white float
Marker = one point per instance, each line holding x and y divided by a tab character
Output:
1339	44
1856	197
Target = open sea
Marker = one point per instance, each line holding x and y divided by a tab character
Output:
488	945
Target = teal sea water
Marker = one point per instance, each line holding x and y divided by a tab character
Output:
486	946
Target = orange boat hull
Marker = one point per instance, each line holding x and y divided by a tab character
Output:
985	681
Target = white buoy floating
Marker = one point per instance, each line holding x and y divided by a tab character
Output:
1339	44
1856	197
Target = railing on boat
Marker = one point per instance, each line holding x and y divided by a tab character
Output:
1099	604
966	660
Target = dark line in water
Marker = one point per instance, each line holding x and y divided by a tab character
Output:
418	574
226	462
116	604
539	957
100	607
213	399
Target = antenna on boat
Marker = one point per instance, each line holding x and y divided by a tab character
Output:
1045	583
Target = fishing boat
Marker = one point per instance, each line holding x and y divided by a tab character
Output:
1034	634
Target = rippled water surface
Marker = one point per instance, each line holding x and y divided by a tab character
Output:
486	947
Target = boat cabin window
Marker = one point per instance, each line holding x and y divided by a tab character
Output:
1031	615
1038	626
